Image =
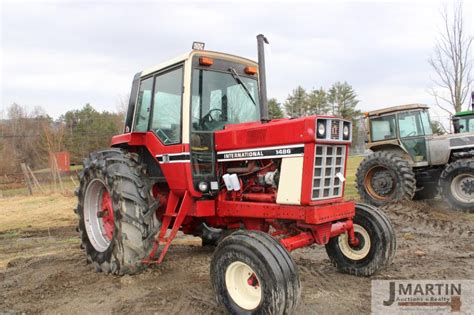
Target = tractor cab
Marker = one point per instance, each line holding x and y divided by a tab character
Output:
463	122
184	102
404	126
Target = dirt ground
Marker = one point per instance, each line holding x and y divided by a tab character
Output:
45	271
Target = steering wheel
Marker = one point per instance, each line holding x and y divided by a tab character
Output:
219	116
163	136
413	133
210	117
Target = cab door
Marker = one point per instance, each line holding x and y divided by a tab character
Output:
159	114
413	127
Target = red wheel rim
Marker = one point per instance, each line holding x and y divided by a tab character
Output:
107	215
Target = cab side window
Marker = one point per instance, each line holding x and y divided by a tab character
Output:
143	105
167	100
383	128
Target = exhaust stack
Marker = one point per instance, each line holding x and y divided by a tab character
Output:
262	79
472	101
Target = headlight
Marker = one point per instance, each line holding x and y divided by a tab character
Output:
203	186
321	129
346	131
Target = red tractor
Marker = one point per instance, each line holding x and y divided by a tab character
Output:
199	155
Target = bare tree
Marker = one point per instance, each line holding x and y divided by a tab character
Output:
451	61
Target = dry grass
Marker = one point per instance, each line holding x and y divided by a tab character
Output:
352	164
36	212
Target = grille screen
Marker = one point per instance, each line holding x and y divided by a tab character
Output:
329	160
335	128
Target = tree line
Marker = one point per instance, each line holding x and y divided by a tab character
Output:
339	100
30	136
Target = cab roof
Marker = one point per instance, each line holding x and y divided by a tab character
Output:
465	113
398	108
186	56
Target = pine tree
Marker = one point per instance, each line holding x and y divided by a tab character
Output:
296	105
343	99
318	102
274	109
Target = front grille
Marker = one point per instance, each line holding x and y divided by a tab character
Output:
329	160
335	129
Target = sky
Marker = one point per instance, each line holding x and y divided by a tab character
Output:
61	55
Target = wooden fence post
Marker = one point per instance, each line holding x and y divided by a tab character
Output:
35	180
27	178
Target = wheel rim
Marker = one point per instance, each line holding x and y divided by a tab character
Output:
462	188
243	285
379	183
355	252
98	215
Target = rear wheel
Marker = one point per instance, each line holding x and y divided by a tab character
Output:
252	273
376	248
116	212
384	177
457	184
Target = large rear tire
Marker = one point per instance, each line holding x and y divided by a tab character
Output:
384	177
457	185
252	273
116	212
377	243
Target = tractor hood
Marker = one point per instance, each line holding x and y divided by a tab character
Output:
456	141
440	147
274	133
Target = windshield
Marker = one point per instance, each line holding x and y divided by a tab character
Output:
467	124
415	123
219	99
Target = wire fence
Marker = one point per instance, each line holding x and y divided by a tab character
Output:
44	181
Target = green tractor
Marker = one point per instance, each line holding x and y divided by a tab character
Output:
408	161
464	121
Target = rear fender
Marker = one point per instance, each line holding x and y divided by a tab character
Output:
394	148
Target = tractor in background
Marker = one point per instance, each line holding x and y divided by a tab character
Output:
199	155
464	121
408	161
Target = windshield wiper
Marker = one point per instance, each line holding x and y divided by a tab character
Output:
239	81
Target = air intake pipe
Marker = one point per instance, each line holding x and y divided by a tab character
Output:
472	101
262	79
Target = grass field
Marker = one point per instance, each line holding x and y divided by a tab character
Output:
352	164
36	212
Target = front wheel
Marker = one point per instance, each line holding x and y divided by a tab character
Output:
457	184
376	248
252	273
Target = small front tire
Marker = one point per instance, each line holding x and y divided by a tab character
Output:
252	273
377	243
